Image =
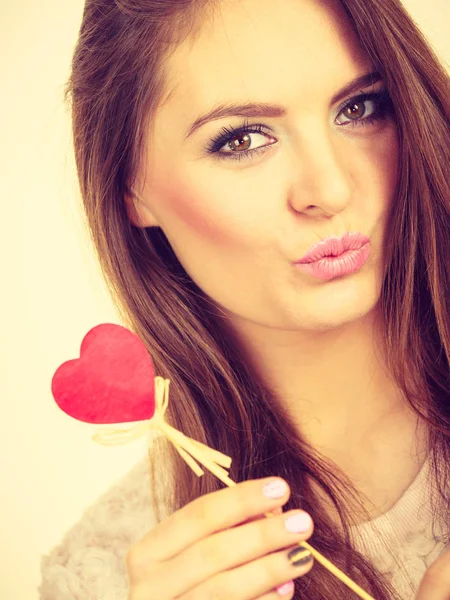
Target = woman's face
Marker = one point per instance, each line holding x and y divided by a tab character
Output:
240	207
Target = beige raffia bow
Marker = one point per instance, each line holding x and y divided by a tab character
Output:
194	452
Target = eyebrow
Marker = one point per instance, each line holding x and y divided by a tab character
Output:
261	109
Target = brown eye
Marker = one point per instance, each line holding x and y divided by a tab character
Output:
241	142
365	109
355	110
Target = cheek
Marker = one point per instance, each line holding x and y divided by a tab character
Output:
376	172
191	215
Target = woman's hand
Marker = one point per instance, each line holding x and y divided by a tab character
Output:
435	584
220	546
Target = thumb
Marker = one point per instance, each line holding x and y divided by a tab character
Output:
435	584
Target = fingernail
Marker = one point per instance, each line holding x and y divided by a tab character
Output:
285	588
299	556
276	488
298	523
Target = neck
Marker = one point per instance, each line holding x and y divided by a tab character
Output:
337	391
334	384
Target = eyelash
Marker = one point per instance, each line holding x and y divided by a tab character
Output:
383	108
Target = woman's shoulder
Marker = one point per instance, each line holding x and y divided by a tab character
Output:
89	563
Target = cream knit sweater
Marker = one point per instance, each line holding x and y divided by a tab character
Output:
404	542
88	564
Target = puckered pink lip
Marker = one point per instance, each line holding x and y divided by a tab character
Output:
334	246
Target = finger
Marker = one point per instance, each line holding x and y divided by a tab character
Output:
251	580
227	550
285	591
435	584
277	511
202	517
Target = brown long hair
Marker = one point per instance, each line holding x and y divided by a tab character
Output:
116	82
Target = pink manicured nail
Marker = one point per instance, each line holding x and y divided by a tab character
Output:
298	523
286	588
275	489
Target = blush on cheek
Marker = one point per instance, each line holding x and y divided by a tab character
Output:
191	214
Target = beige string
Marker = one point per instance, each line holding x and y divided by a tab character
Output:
192	451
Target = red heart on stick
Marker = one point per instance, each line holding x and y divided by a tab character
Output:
112	381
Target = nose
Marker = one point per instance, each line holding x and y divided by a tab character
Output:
322	184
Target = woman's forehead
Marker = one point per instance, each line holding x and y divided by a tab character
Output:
265	51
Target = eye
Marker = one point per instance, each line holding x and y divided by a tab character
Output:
356	109
244	140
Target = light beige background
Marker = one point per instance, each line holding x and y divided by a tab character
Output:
51	289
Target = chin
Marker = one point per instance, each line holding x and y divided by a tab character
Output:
337	319
339	302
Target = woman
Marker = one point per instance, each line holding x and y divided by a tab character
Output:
224	150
